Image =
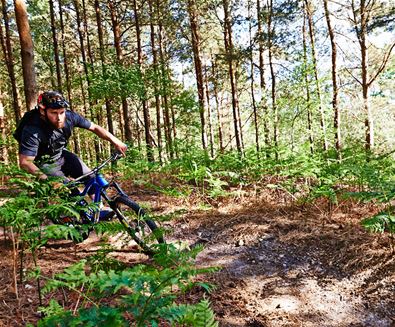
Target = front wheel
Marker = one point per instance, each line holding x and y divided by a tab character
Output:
144	231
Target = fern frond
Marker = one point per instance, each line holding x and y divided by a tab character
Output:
204	315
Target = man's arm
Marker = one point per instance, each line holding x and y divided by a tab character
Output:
27	163
106	135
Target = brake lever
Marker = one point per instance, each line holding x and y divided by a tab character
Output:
116	155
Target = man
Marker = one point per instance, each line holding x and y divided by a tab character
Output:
44	137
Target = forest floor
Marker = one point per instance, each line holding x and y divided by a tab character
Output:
283	263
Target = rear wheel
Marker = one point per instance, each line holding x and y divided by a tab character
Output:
144	231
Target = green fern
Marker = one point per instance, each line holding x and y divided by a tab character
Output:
380	223
110	227
198	315
62	232
71	278
204	315
144	292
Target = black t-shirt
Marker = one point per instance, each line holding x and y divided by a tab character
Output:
40	139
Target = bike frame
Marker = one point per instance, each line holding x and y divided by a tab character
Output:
99	185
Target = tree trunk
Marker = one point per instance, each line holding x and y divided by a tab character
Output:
27	54
110	122
164	81
273	77
97	114
81	40
254	107
77	146
361	19
156	84
307	82
335	100
81	32
117	43
3	138
55	47
219	116
262	73
209	116
65	55
9	59
317	83
146	113
194	25
230	54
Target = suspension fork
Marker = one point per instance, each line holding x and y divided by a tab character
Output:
112	200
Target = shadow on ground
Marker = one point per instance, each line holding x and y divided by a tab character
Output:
292	265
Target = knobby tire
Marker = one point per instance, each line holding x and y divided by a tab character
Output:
136	223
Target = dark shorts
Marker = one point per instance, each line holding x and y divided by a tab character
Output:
68	165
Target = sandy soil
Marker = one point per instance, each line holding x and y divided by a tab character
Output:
283	264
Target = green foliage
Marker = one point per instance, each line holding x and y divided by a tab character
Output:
380	223
37	201
102	261
92	317
198	315
116	81
146	293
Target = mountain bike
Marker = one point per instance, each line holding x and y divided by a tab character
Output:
144	231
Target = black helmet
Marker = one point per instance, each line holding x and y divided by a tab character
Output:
52	100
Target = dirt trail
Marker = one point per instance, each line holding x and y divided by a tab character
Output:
287	265
282	264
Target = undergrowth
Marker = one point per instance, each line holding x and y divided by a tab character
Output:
142	295
109	292
351	173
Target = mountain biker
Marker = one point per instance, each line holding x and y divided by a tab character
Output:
44	137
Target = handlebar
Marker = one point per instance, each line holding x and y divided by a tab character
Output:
114	157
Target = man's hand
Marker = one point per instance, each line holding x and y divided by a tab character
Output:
27	164
121	147
57	185
106	135
41	176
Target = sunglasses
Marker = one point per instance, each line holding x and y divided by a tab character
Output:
55	102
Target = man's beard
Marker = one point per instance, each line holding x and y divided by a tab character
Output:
57	125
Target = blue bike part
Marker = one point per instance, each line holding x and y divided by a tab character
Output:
101	180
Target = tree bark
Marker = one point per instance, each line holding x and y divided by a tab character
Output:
194	25
156	81
147	120
307	82
254	106
335	90
77	147
360	22
65	55
230	54
117	43
81	32
273	77
55	47
3	138
164	91
110	122
209	116
217	105
262	73
9	59
317	83
27	54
